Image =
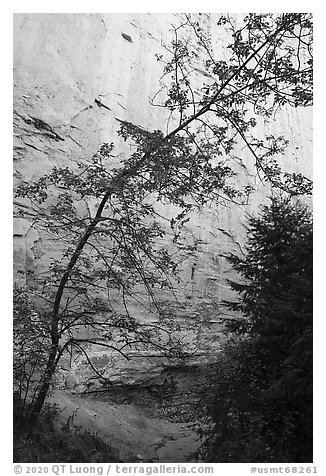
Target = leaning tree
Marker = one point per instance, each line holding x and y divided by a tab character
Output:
113	242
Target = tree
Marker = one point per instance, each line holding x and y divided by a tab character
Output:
115	245
277	270
267	65
272	357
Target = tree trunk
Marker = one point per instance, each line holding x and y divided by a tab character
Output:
45	384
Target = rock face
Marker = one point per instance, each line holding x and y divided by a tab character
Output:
75	75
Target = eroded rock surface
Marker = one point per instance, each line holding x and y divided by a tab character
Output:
76	76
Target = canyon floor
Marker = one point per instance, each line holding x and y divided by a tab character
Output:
140	424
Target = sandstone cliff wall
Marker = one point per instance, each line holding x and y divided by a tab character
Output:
75	75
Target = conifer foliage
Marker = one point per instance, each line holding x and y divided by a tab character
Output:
267	381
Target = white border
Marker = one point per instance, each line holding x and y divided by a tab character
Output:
319	195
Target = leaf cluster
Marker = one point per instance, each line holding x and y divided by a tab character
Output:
268	66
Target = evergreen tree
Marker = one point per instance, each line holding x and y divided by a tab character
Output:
276	291
270	388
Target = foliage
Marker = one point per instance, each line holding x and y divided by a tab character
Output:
31	345
48	441
104	220
263	401
277	271
266	65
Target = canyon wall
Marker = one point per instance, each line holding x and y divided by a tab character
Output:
75	77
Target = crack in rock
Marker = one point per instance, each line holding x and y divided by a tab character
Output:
34	147
41	125
229	235
100	104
